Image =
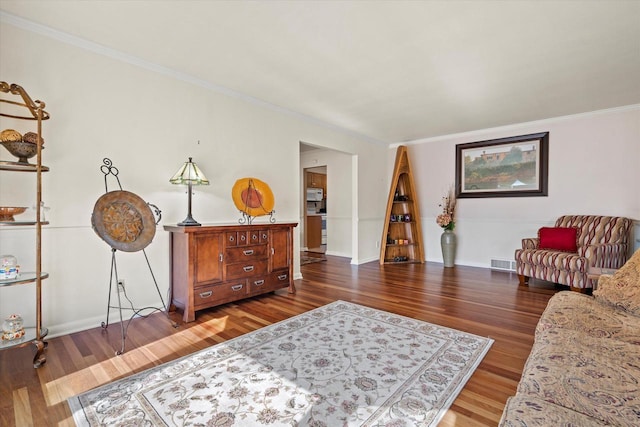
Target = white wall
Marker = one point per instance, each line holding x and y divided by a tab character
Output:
594	168
147	123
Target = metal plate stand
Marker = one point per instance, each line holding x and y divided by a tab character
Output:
125	242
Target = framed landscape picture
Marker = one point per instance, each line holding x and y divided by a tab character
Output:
516	166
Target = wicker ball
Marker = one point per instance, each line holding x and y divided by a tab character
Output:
10	135
31	137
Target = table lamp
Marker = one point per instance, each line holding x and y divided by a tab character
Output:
189	174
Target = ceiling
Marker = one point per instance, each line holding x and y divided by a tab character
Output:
391	71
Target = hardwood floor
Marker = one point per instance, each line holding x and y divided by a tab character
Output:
471	299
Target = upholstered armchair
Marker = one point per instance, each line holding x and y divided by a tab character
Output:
563	254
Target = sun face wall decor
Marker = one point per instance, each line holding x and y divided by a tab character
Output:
253	198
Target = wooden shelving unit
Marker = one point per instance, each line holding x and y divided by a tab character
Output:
402	234
17	109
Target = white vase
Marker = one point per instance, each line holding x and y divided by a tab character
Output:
448	244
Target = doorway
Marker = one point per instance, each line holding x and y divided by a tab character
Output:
340	169
315	184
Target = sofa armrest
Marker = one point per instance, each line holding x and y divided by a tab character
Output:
605	255
604	279
530	243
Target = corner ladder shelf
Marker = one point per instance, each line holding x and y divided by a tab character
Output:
402	235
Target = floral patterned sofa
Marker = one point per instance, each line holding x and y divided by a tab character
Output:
565	258
584	367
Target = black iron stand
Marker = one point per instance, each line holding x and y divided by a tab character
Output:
122	292
108	169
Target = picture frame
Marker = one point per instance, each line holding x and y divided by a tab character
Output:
515	166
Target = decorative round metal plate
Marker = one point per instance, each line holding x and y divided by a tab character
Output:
124	221
252	196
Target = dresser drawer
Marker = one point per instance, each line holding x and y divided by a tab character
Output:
245	269
245	253
237	238
208	296
258	236
268	283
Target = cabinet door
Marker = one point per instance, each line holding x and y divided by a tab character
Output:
208	263
280	248
310	177
314	231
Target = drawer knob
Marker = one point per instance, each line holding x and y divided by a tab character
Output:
259	282
206	294
282	277
248	268
236	287
248	252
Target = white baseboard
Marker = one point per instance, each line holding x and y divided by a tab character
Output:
340	254
95	322
364	260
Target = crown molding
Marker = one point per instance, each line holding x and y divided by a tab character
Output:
516	126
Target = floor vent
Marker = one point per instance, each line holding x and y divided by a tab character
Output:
503	265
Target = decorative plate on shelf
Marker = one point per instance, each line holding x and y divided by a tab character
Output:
124	221
253	197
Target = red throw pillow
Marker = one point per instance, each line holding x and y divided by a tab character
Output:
563	239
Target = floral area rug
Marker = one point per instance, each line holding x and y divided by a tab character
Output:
338	365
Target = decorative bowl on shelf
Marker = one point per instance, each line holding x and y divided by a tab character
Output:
23	150
7	212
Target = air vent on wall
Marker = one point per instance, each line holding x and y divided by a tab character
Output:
503	265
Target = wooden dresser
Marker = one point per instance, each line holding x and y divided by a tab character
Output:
213	265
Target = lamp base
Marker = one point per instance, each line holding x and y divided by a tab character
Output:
188	221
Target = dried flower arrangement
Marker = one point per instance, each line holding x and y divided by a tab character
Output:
446	219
